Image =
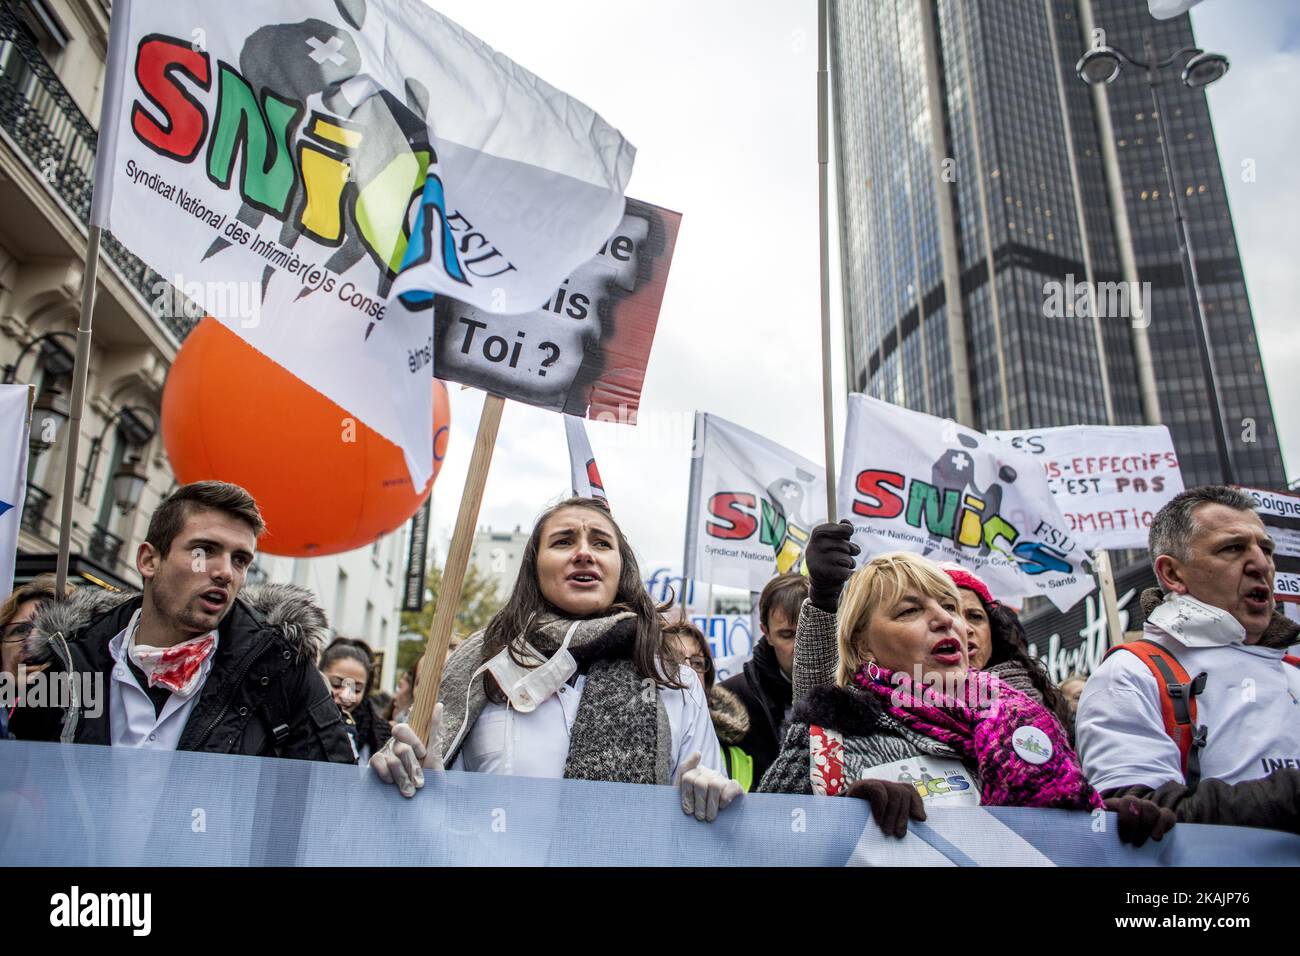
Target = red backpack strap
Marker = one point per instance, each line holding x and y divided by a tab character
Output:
1177	702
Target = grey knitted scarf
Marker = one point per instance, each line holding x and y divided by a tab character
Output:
621	732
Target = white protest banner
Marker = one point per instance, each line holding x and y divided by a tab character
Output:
310	172
731	640
13	477
583	474
752	506
1280	512
913	482
666	585
1108	480
585	351
1168	9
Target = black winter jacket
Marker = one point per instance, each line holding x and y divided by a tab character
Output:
766	693
263	696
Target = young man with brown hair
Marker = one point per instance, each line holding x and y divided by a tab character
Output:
195	662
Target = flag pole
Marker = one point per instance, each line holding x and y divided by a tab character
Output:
101	200
823	183
453	572
81	371
1106	578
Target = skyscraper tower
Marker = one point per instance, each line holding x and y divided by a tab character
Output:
983	188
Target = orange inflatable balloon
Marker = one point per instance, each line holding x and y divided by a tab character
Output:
325	482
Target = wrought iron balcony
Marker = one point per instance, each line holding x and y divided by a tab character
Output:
104	547
34	505
48	127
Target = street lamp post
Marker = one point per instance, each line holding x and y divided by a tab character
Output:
56	360
1099	66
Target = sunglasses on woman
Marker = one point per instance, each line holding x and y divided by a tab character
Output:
347	683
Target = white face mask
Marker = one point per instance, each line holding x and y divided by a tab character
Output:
526	687
1196	623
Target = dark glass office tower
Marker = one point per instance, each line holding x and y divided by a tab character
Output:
976	170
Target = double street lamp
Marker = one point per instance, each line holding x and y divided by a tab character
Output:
1098	67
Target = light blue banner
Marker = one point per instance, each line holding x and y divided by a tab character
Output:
63	805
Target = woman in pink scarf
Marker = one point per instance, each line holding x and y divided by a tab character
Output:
908	725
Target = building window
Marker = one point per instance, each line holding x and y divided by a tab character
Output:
340	598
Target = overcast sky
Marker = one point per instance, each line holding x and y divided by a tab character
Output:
719	98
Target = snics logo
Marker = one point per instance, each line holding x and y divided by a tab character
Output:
356	174
966	518
776	518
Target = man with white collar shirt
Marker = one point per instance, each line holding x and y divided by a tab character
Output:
1203	715
195	662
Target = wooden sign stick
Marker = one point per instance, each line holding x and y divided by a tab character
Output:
1106	578
453	572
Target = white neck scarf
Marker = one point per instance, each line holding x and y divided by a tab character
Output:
1196	623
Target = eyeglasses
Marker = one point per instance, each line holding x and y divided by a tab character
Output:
698	663
348	684
16	633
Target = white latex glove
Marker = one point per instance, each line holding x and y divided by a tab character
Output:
704	791
403	760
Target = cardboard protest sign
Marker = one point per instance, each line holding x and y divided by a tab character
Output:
1109	481
585	352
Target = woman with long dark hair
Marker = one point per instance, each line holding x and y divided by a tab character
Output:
997	643
557	684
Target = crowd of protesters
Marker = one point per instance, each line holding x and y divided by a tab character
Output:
893	679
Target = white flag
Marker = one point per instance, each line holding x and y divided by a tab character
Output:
1168	9
13	477
310	172
913	482
1109	480
582	463
752	506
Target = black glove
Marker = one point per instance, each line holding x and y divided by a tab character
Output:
829	555
1140	819
891	804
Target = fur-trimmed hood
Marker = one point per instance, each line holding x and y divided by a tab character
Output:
290	609
1282	631
851	711
730	718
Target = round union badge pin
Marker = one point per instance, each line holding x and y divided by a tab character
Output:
1032	745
